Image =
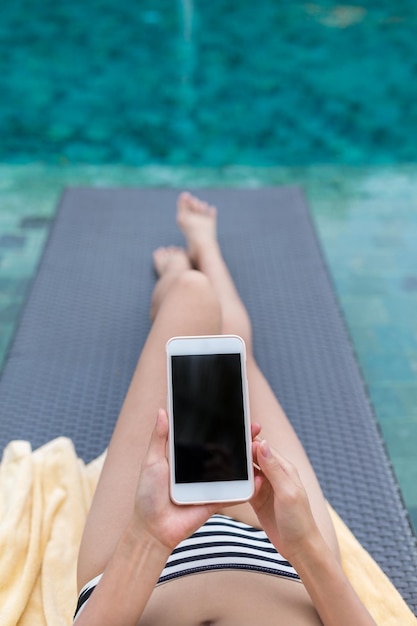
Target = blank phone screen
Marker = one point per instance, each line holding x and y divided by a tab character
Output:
208	418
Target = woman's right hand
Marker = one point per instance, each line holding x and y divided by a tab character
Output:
155	512
281	502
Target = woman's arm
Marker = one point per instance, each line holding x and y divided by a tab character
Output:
282	506
156	527
127	582
332	594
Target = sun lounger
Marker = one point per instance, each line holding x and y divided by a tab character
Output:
87	316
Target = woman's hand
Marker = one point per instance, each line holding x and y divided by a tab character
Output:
283	509
155	512
281	502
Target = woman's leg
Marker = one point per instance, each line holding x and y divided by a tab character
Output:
197	220
184	303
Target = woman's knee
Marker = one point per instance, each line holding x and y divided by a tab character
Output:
194	282
195	292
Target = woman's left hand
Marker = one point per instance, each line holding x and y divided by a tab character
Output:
281	502
155	512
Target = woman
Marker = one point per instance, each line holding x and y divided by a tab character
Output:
125	570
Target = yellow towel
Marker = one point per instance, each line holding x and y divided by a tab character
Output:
44	499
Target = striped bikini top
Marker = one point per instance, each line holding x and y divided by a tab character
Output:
222	543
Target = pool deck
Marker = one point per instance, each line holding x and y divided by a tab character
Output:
366	219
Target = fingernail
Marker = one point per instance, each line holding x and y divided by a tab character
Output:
265	449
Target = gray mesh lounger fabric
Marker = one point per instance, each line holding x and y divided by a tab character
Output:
86	319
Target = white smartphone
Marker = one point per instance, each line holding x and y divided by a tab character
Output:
208	408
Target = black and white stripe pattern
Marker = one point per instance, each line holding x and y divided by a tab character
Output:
85	593
222	543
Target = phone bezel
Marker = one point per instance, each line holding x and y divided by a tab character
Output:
216	491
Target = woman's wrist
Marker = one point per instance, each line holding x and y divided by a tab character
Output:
137	538
308	551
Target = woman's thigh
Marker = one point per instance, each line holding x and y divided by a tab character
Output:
190	308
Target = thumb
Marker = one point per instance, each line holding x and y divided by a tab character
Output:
159	437
268	461
277	468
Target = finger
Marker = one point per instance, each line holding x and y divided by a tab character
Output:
268	459
255	445
159	437
262	491
255	429
275	466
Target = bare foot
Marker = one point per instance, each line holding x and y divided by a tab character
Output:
197	220
170	260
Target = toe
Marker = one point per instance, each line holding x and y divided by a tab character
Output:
195	204
159	255
212	210
184	200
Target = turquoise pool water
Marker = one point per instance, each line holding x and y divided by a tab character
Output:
230	93
186	82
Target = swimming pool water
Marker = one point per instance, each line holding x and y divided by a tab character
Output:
208	83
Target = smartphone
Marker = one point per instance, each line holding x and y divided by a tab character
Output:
208	408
